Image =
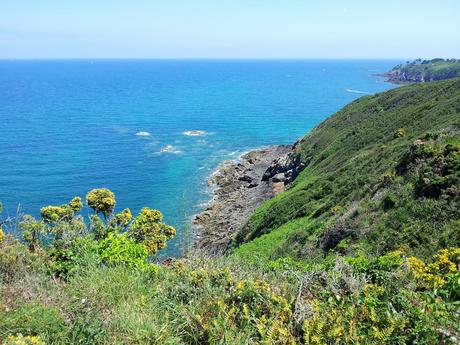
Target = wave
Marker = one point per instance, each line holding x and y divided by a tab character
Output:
143	134
170	149
358	91
194	133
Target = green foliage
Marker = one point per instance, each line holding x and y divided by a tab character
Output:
16	260
441	274
356	173
440	173
123	218
426	70
363	249
52	214
101	200
389	201
76	204
97	227
32	230
65	259
33	319
355	299
121	249
148	229
399	133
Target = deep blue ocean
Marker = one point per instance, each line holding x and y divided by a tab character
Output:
67	126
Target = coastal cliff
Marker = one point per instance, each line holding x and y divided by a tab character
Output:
419	71
240	187
307	198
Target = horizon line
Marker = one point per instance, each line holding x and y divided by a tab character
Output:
206	58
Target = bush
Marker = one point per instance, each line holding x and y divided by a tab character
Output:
441	274
121	249
101	200
51	214
399	133
389	201
16	260
148	229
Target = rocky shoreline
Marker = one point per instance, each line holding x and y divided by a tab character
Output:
240	187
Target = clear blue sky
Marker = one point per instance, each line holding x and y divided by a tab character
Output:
229	29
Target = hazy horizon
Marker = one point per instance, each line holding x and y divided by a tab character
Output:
205	29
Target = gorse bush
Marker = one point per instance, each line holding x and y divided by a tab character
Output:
119	238
101	201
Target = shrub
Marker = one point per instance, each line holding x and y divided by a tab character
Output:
16	260
121	249
399	133
69	258
22	340
101	200
123	218
97	227
76	204
32	230
442	273
389	201
52	214
148	229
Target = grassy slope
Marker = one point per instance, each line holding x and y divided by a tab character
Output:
349	155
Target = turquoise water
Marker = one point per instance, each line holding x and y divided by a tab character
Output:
68	126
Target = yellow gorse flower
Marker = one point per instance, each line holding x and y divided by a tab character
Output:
434	274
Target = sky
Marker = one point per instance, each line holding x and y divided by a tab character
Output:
229	29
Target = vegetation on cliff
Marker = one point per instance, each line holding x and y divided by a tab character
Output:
424	70
362	249
383	173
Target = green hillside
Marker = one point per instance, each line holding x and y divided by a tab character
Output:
383	173
423	71
364	248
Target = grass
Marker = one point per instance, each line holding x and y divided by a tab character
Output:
229	300
349	156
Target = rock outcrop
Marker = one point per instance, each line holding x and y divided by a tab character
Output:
241	186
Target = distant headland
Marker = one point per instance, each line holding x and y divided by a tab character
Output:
423	71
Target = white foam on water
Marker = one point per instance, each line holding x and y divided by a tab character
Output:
143	134
358	91
194	133
170	149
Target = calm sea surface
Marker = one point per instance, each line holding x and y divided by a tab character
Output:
67	126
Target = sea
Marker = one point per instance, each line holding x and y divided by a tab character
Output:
153	131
